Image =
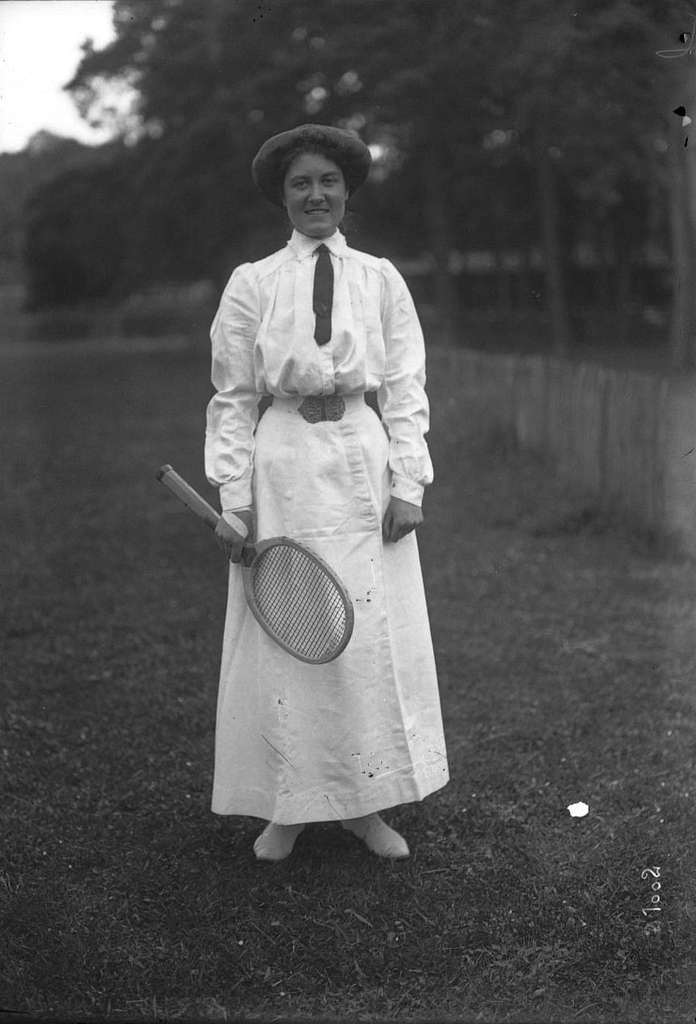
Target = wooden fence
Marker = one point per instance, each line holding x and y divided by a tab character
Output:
627	439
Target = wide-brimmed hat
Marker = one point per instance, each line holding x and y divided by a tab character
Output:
341	146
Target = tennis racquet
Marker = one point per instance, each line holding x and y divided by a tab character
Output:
293	594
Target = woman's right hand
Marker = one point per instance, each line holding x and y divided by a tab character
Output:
229	539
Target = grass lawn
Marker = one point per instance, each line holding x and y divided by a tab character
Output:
567	658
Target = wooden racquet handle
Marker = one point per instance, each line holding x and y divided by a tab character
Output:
193	501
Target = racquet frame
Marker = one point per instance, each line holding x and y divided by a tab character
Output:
251	553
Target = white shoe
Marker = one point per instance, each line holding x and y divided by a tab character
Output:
378	836
276	842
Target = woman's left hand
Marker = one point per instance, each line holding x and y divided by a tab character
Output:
400	518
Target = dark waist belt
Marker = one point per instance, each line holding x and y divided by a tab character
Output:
323	408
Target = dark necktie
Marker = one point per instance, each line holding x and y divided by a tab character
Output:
322	296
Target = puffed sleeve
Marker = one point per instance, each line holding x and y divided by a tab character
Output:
232	412
401	397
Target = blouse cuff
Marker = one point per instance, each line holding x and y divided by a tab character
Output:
407	490
236	494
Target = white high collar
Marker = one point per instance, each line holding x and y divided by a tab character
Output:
303	245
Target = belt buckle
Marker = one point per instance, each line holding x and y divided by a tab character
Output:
317	409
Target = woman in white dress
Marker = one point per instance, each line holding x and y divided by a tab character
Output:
297	743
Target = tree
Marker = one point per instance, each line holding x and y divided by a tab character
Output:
77	243
577	82
676	90
491	125
208	71
20	173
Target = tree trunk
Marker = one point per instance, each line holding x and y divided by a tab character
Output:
682	225
503	277
677	86
622	299
603	286
526	297
553	253
437	226
503	287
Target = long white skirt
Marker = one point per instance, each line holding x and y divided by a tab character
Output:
297	742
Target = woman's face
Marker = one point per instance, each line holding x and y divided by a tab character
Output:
315	194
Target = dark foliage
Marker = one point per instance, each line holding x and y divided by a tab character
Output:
79	230
539	129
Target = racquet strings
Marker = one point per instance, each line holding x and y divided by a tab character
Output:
300	602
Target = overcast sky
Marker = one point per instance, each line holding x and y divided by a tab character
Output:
39	52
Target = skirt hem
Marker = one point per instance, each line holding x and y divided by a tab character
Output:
356	806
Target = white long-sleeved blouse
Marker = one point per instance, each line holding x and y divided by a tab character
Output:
263	343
